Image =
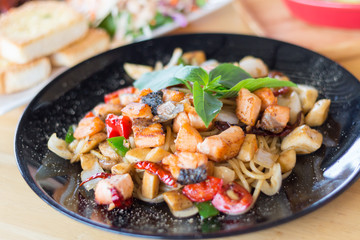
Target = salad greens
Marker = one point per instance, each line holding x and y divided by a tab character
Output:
224	81
108	24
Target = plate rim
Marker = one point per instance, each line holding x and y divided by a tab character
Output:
50	201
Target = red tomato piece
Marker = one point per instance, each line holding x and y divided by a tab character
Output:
118	126
204	191
110	96
232	199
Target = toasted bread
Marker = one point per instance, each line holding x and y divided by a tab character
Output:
39	28
95	41
18	77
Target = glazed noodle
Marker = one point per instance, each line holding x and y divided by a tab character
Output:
155	146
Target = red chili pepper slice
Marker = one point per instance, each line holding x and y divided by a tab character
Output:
232	199
118	126
111	96
98	175
204	191
118	199
157	169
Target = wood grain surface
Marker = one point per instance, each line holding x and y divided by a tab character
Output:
23	215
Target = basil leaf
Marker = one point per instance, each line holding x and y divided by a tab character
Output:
253	84
158	80
230	74
206	105
214	84
193	74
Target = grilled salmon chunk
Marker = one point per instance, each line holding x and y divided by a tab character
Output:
148	135
223	146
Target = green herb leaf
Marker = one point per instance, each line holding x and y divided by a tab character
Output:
207	106
70	135
206	209
108	24
253	84
230	74
159	79
193	74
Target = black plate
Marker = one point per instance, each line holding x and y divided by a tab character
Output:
316	179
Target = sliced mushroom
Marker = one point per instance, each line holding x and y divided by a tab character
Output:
248	148
150	185
121	168
225	173
93	141
287	160
318	114
303	140
254	66
293	102
137	154
308	96
108	151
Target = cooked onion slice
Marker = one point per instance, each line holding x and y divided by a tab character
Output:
158	199
59	147
96	168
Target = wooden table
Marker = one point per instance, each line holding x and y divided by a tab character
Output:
23	215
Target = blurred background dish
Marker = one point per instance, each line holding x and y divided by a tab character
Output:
343	14
114	24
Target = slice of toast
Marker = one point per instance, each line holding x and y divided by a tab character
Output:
39	28
18	77
95	41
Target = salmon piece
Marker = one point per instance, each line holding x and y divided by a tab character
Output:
172	95
186	160
248	107
145	92
267	97
122	183
223	146
179	120
275	118
195	119
172	162
187	138
137	110
114	96
89	126
146	136
103	109
128	98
